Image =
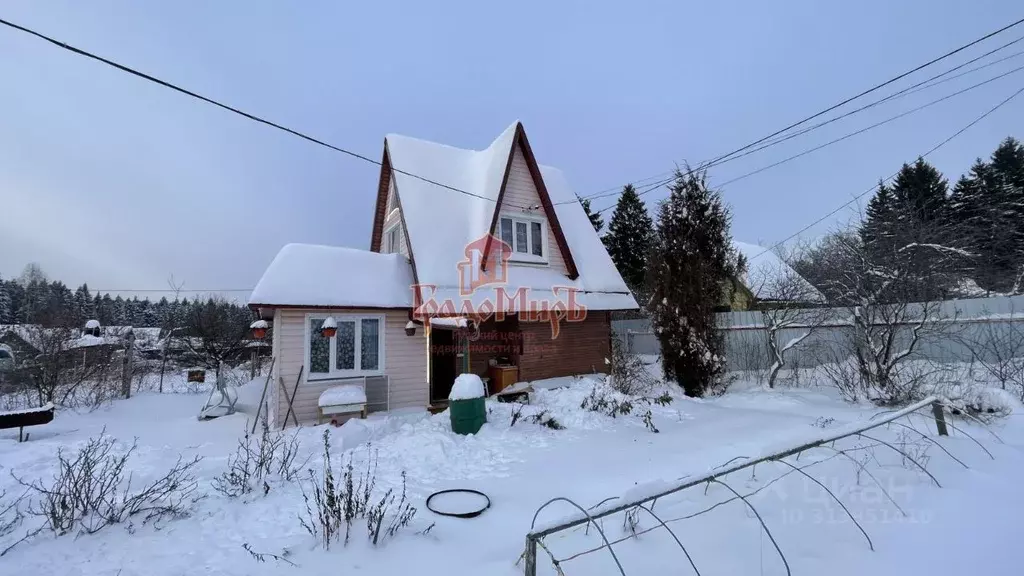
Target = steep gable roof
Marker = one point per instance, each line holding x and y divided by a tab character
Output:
439	223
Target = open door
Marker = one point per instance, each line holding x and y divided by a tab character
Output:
444	363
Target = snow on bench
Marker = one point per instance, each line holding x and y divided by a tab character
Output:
26	417
343	399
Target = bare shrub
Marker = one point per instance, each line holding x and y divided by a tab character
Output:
66	373
912	449
791	311
89	490
603	399
261	557
629	374
10	513
332	506
998	348
543	418
256	459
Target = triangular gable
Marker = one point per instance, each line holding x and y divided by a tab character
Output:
520	142
387	201
381	208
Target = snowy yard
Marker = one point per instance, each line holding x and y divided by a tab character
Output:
969	524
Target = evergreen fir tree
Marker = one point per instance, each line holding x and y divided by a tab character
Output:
907	228
1007	186
987	209
692	260
630	233
6	316
596	220
878	231
1008	164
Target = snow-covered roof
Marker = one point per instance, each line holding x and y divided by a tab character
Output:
441	222
769	277
311	275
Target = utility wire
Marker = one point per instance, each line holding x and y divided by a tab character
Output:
836	140
364	158
227	107
778	138
871	127
891	177
766	250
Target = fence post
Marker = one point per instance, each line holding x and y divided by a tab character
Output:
530	556
940	418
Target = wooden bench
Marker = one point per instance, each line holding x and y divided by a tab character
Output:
346	398
29	417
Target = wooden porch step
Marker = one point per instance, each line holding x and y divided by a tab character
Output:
438	407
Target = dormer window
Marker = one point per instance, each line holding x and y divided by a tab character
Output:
528	238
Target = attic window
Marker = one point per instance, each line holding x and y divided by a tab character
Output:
392	237
527	237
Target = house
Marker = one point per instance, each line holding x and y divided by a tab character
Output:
480	261
18	339
767	281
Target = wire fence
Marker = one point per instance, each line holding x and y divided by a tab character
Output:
643	501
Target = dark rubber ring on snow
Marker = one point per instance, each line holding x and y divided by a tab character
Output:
473	514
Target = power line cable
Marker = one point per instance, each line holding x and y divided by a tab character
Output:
891	177
227	107
364	158
871	127
759	254
778	138
839	139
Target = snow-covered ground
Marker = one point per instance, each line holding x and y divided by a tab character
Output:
969	525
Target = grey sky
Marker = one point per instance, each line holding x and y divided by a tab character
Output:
108	179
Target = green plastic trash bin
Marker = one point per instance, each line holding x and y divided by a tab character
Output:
467	415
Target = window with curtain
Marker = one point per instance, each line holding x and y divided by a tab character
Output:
355	350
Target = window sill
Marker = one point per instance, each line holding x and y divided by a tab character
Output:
525	259
321	377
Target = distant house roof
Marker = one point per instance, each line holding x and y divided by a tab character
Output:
769	278
310	275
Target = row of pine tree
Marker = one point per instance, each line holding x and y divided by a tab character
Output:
33	299
974	231
935	240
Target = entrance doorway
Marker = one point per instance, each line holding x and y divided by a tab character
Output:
443	363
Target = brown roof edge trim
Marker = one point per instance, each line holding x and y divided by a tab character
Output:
545	199
383	183
549	208
416	298
501	196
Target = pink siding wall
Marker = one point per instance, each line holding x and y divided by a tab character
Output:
405	362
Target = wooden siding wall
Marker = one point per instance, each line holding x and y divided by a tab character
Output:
495	340
394	217
520	191
581	348
405	362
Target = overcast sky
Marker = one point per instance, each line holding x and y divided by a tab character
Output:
109	179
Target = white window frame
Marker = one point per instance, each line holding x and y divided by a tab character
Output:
529	257
393	247
334	373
